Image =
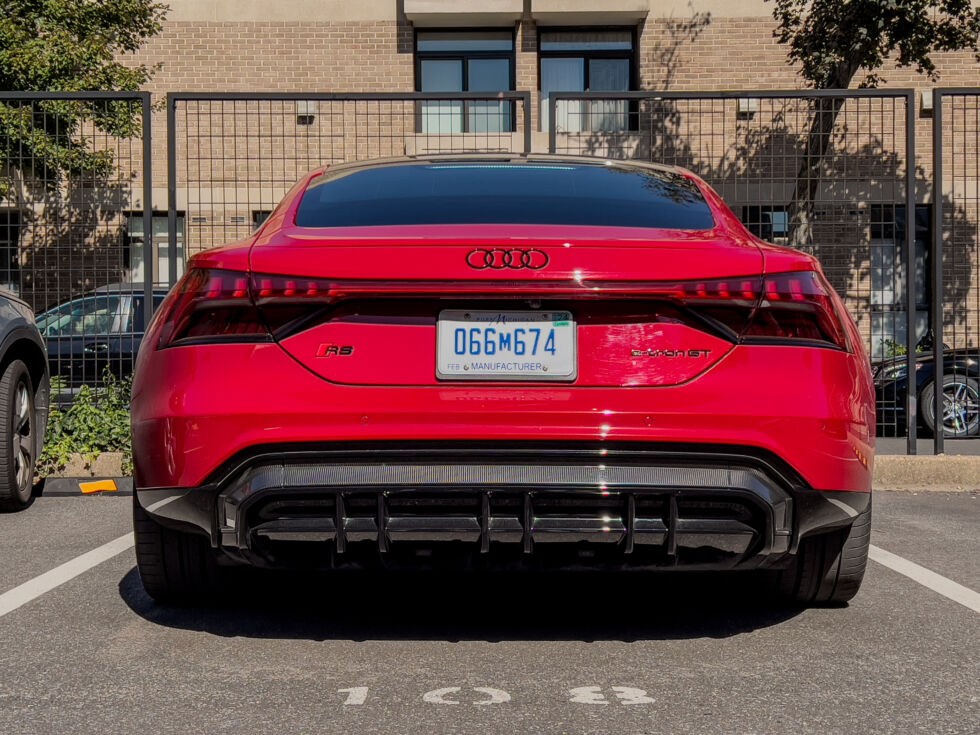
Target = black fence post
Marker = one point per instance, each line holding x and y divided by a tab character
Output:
937	265
148	275
171	189
910	274
526	103
552	124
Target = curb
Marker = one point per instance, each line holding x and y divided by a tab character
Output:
58	487
927	473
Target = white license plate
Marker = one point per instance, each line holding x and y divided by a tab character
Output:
505	345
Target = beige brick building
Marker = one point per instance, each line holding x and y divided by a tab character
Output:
236	158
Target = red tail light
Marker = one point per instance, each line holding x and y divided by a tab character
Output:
219	305
796	307
211	305
781	308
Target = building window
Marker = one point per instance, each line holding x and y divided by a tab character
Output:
259	216
888	303
770	223
464	61
161	247
587	60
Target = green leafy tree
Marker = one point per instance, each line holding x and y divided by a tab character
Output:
68	46
833	41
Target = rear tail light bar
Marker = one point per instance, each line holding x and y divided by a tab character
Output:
211	305
229	306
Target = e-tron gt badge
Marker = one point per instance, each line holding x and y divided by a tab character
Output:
670	353
499	259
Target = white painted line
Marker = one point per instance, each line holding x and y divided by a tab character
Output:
927	578
34	588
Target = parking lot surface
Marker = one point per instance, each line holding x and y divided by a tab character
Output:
457	654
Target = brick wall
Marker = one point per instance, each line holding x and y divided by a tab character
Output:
238	158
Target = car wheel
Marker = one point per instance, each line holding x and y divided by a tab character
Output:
961	406
175	567
18	443
828	569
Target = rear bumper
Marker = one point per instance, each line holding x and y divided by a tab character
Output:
196	408
499	504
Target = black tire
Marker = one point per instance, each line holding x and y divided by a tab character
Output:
964	391
175	567
828	568
18	440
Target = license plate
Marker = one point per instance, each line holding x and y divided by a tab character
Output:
505	345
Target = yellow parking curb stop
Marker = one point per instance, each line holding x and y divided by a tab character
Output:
98	486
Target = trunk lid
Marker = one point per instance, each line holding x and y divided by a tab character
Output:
389	287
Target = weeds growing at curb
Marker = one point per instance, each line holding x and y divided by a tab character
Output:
97	421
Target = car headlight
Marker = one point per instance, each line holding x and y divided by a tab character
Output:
896	371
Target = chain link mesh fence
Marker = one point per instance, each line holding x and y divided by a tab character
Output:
73	182
830	174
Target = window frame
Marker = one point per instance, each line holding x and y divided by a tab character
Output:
464	57
754	216
588	54
155	215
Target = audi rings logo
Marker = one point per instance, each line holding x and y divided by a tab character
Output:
501	258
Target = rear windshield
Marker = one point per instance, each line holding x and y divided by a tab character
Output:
504	193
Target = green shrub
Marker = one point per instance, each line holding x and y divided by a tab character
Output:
96	422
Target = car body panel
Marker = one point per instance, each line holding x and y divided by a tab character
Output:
620	347
189	415
17	326
440	253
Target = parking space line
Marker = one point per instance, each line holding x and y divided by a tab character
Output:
927	578
34	588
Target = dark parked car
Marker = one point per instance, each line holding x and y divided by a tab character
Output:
100	330
24	391
960	386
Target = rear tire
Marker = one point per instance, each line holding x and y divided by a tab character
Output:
829	568
175	567
18	440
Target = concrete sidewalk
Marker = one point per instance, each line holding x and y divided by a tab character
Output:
943	473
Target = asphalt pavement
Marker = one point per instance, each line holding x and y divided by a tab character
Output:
457	654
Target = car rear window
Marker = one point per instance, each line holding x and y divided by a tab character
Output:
504	193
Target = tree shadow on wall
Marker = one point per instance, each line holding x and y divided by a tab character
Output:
69	172
71	240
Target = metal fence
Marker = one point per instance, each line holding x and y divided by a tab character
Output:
231	157
956	254
74	174
831	173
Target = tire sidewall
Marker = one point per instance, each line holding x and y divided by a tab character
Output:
15	375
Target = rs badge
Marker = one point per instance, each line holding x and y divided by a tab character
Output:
332	350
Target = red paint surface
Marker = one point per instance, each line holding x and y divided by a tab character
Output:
196	406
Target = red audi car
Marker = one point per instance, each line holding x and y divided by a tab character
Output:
503	362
